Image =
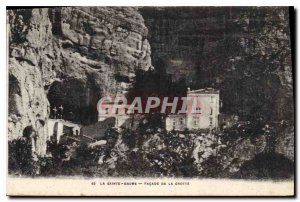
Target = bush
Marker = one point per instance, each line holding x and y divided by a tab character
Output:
20	159
267	166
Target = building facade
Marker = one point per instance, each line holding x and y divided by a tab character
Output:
121	115
59	127
202	111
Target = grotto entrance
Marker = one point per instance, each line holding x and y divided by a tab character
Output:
30	137
74	101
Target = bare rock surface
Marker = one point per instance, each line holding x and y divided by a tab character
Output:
89	49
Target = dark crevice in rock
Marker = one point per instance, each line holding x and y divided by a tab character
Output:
21	59
20	29
14	86
55	18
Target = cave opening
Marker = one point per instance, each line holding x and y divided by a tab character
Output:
74	101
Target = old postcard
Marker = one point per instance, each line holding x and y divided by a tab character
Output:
150	101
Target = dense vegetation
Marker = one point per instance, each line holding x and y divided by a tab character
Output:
237	152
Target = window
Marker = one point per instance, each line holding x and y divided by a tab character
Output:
196	121
198	110
174	123
211	111
181	121
210	121
117	111
194	109
106	110
211	99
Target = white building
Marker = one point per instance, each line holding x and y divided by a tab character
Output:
59	127
121	115
200	114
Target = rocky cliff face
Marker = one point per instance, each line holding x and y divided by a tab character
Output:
244	52
71	57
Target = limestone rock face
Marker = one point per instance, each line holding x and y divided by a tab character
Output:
28	104
71	57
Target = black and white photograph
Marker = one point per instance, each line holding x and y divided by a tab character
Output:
143	98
